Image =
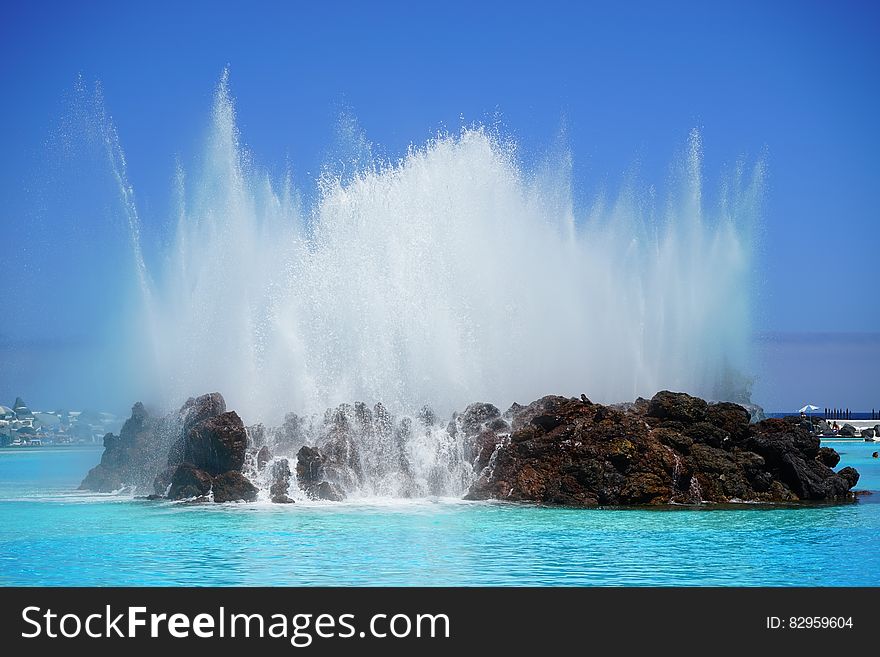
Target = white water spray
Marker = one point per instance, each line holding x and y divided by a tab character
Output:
447	277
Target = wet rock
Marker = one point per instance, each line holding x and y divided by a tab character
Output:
476	415
291	435
188	481
674	449
198	409
326	491
484	447
280	482
233	487
128	459
163	480
309	466
257	436
217	444
263	457
311	473
193	412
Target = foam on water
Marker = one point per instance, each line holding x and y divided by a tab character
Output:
449	276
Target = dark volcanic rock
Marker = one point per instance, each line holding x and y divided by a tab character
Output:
127	458
280	482
674	449
217	444
199	409
148	450
194	411
678	406
233	487
310	475
829	457
847	430
732	418
326	491
189	481
263	457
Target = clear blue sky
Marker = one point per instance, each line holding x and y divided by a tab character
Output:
630	80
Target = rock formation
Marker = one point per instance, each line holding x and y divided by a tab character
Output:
197	452
675	449
671	449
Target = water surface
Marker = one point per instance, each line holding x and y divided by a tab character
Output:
52	535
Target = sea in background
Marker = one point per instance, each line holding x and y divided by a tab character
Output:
53	535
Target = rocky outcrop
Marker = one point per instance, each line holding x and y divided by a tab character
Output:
197	452
280	482
829	457
217	444
848	431
188	481
312	476
233	486
127	458
194	411
676	449
671	449
211	453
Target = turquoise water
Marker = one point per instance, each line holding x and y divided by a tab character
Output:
52	535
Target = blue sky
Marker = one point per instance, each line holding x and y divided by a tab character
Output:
799	81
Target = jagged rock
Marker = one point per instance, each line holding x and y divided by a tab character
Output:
127	458
677	406
194	411
674	449
148	450
263	457
290	436
217	444
189	481
309	466
476	415
326	491
163	480
280	482
867	433
828	456
732	418
257	436
233	487
199	409
850	475
310	475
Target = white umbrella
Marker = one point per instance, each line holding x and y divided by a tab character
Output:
809	408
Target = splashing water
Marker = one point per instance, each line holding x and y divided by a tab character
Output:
447	277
